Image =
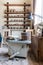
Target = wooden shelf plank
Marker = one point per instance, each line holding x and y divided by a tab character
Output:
19	20
17	24
17	4
18	29
16	12
15	16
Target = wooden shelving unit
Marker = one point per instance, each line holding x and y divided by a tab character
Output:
8	12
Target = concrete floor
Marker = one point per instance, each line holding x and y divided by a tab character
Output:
4	60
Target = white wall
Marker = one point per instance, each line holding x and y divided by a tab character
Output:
2	8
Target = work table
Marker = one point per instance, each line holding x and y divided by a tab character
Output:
19	41
18	46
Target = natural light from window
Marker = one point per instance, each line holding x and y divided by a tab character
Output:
38	8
